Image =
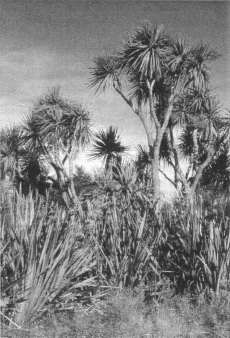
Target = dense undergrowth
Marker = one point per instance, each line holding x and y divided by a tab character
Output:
61	258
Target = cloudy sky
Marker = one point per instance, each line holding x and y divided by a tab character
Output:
46	43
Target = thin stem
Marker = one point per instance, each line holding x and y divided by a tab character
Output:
167	178
127	100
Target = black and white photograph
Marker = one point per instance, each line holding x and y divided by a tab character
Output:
114	169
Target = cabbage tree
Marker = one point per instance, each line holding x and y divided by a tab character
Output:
150	72
57	129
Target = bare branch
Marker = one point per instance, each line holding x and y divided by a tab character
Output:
128	101
167	178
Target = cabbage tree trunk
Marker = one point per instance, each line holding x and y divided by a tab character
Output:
154	152
154	128
155	163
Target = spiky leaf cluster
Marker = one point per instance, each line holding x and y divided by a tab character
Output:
107	146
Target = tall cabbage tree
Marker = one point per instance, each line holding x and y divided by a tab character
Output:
149	73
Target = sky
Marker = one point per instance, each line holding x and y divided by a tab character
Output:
47	43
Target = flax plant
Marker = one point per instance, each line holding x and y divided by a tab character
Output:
43	262
126	235
196	251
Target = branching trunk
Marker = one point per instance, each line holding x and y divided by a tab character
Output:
191	187
174	165
153	128
154	153
180	175
168	178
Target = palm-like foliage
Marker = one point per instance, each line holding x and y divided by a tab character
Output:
20	162
106	71
186	142
107	146
33	173
143	164
196	65
143	159
142	58
177	56
151	55
217	175
204	139
56	120
202	113
50	135
145	52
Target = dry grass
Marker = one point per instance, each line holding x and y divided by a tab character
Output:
124	315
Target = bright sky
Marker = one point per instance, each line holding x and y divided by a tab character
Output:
47	43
